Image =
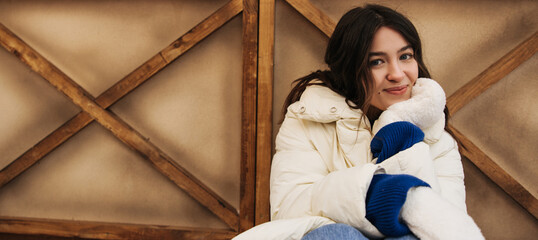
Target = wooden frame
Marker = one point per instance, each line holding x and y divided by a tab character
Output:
257	97
96	109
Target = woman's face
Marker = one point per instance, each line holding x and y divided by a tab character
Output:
393	67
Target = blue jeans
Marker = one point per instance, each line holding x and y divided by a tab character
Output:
343	231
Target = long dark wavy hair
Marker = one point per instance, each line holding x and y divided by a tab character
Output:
347	57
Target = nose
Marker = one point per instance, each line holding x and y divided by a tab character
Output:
395	73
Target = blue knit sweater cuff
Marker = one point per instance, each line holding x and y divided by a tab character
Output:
384	201
393	138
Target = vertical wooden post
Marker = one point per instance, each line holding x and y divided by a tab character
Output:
266	43
248	119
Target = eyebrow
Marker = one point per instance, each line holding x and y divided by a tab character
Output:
383	53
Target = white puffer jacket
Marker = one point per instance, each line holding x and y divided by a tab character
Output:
323	164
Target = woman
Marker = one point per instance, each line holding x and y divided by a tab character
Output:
363	152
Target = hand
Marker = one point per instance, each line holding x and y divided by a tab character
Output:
385	199
394	138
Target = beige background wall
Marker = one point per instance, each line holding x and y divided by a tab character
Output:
192	109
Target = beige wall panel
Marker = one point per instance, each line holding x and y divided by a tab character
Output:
191	110
461	39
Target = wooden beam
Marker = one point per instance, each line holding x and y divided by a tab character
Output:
493	73
248	118
314	15
264	139
122	88
11	236
162	162
101	230
493	171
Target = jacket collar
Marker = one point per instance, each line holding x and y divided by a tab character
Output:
321	104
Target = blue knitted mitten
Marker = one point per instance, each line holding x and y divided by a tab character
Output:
393	138
384	201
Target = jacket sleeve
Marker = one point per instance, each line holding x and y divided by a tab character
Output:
449	171
438	164
415	161
302	185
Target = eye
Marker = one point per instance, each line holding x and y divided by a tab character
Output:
376	62
406	56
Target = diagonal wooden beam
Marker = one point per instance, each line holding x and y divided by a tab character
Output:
162	162
248	114
100	230
493	73
314	15
500	177
122	88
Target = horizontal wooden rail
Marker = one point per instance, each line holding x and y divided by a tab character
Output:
494	172
168	167
101	230
493	73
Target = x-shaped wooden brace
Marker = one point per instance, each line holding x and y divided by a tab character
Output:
95	109
460	98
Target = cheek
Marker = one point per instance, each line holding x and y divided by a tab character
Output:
377	77
412	73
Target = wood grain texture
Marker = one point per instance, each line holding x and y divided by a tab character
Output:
168	167
248	118
493	73
493	171
264	146
120	89
40	228
314	15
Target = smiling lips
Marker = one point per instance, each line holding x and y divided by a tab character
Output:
396	90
